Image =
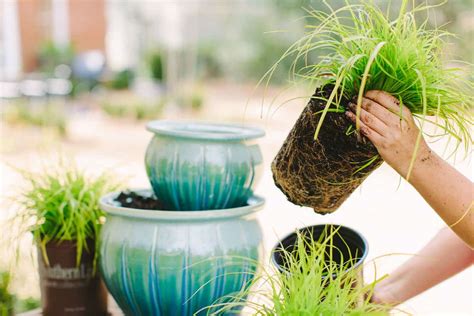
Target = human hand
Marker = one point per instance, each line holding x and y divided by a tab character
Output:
384	297
391	129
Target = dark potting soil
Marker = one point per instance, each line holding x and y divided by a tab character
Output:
322	173
134	200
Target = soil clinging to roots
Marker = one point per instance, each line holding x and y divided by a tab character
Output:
323	173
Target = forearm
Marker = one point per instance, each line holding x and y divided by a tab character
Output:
443	257
448	192
392	129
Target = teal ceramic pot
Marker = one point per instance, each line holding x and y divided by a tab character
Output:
200	166
177	263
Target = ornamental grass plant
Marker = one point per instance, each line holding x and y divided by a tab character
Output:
312	283
359	48
62	204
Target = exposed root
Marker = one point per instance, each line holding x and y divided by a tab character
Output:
322	173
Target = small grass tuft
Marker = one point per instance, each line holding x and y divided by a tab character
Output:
49	115
126	104
62	204
192	98
7	300
10	304
311	284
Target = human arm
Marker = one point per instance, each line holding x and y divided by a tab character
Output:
392	130
444	256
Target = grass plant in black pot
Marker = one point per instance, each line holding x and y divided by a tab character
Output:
60	208
318	271
359	48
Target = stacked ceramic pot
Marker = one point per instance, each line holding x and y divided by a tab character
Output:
202	246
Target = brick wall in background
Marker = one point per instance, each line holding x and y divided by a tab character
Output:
87	27
32	31
87	24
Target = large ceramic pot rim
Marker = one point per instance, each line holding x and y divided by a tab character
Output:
255	204
342	228
204	131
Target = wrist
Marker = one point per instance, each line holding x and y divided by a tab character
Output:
406	166
424	161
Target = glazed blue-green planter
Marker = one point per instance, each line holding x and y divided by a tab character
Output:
177	263
200	166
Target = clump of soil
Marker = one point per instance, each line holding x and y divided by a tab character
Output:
322	173
134	200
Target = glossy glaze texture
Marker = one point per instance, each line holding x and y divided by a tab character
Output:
177	263
199	166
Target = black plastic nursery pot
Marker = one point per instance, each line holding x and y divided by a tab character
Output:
322	173
350	244
68	288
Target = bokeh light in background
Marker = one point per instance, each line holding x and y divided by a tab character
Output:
81	77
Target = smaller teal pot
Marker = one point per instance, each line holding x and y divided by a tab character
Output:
201	166
178	263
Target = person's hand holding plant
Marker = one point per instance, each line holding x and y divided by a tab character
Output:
391	128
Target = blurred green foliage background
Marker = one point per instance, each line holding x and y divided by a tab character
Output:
253	42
